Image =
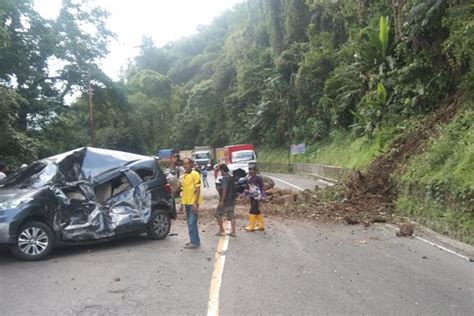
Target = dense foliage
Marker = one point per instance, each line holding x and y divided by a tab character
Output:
270	72
41	62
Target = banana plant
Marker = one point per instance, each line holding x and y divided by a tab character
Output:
381	94
384	29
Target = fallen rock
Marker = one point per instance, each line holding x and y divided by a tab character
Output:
405	230
351	220
286	192
278	200
288	198
268	183
379	219
273	191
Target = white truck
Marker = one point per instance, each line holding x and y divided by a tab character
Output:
203	156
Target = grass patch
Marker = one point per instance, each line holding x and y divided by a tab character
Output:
341	148
436	188
454	223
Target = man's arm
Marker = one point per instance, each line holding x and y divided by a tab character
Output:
197	185
198	193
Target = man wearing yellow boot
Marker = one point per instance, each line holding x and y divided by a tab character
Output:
256	192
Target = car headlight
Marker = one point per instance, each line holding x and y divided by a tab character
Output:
14	203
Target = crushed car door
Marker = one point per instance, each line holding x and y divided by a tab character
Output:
129	204
79	217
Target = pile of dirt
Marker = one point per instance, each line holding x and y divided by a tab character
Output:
363	197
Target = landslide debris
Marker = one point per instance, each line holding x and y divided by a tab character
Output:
363	198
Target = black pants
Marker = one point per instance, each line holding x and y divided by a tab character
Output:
254	207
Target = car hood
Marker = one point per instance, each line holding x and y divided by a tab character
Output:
6	195
76	165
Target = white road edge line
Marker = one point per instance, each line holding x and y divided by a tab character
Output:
216	279
287	183
417	237
435	245
441	247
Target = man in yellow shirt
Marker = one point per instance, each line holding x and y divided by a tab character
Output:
190	200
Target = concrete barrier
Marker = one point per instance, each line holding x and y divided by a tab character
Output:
325	172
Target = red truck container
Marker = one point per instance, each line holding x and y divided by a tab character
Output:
228	150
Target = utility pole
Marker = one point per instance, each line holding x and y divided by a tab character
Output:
91	115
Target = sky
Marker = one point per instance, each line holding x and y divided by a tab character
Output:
163	20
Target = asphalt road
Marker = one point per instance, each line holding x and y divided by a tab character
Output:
295	182
294	267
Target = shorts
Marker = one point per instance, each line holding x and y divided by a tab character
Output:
254	207
226	210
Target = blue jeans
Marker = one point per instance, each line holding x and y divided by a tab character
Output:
192	219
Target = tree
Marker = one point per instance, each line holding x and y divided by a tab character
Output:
43	60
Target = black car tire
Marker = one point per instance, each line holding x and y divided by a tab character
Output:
159	225
42	240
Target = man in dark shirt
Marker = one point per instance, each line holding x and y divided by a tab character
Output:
227	194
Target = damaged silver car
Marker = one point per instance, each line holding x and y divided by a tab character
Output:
86	195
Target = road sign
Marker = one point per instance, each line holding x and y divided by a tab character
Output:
298	149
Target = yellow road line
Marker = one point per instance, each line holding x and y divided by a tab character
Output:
216	280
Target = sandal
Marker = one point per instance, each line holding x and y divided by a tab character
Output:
232	234
219	234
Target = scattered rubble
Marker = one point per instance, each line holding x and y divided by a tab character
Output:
363	198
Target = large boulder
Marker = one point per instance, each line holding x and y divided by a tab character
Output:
268	183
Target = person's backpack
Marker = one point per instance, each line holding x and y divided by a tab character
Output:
240	180
232	188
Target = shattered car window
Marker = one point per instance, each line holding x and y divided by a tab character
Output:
36	175
145	174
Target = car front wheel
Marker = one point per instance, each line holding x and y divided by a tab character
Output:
34	241
159	226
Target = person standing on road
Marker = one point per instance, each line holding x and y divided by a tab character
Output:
227	194
190	201
175	164
216	171
204	177
3	175
255	190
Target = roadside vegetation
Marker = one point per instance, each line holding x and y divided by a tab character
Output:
436	188
347	78
340	148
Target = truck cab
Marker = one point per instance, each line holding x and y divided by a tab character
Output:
202	158
240	156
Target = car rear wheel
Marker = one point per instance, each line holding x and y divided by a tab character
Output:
34	241
160	225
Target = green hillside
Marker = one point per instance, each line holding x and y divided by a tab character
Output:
344	77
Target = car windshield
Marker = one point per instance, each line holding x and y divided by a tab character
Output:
201	156
243	156
34	176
